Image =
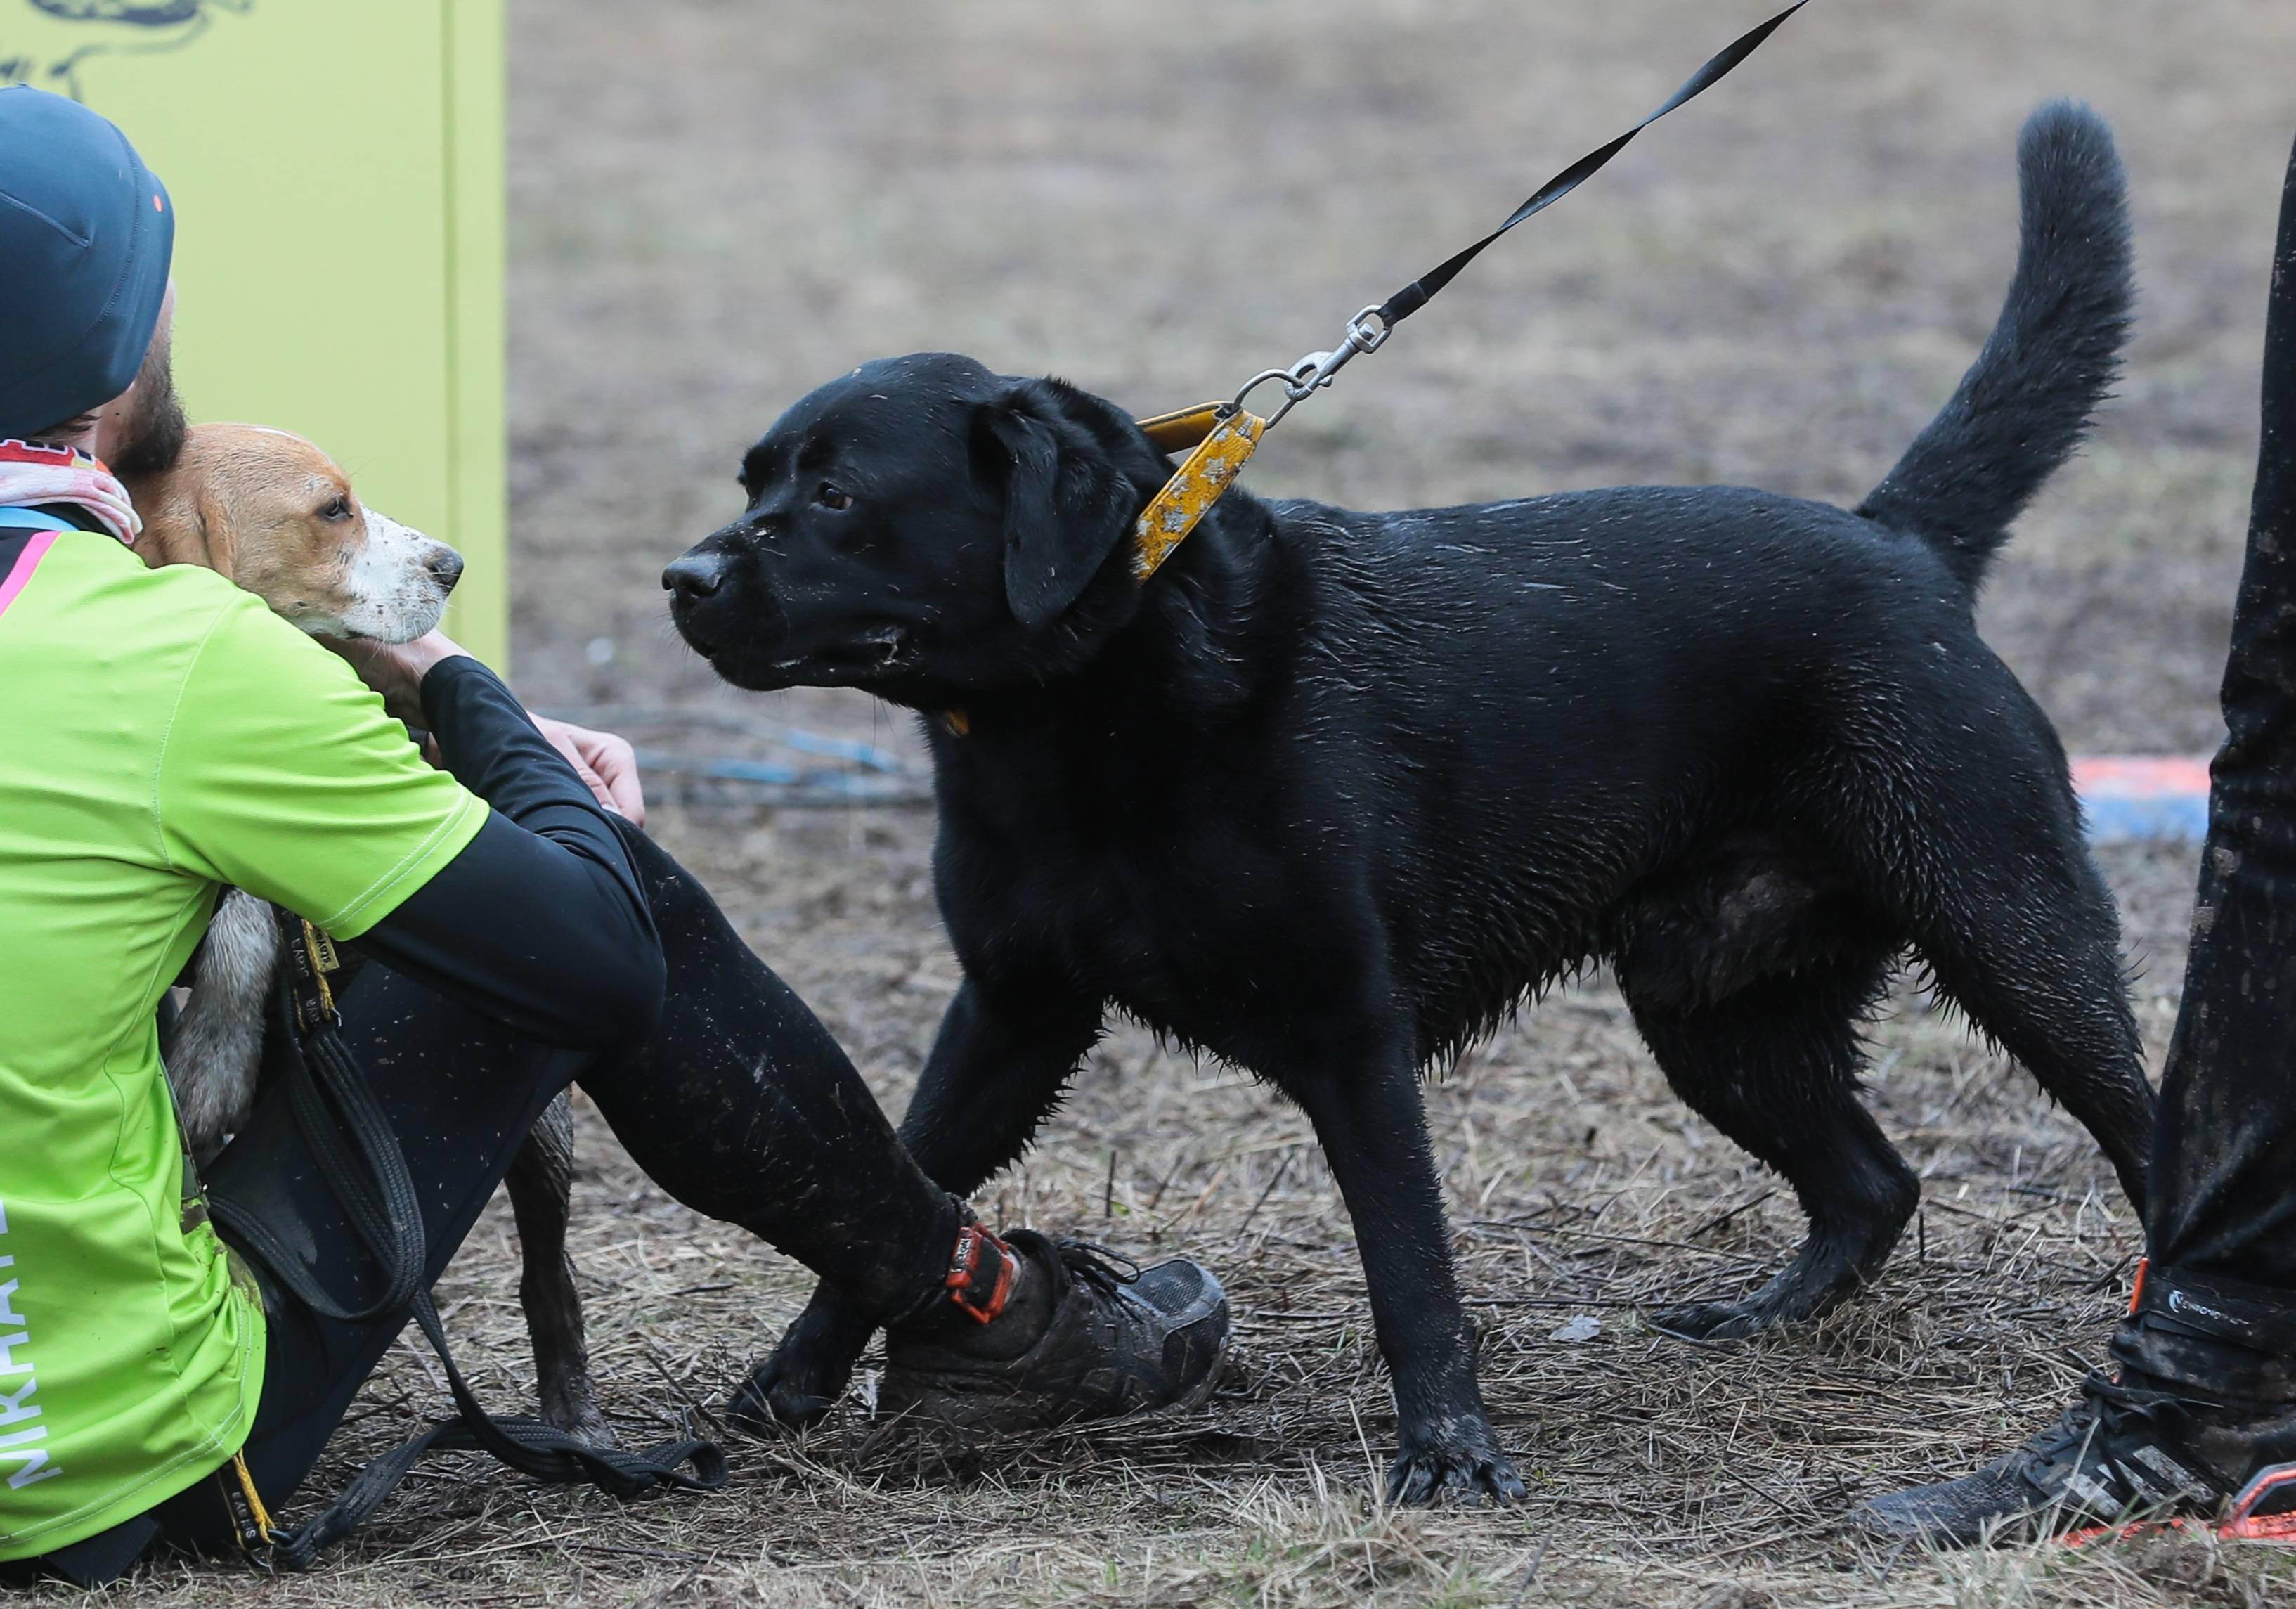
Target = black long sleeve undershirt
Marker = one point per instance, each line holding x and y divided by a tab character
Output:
540	923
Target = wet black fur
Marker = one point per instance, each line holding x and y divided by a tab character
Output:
1335	792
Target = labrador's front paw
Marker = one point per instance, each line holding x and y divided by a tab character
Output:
1455	1461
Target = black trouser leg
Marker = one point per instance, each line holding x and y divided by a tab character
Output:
993	1076
745	1108
741	1105
2224	1157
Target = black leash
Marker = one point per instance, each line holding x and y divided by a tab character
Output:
1369	329
353	1142
1415	295
352	1139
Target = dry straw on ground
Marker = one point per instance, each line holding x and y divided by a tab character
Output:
1662	1473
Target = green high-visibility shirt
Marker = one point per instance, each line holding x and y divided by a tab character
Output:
161	733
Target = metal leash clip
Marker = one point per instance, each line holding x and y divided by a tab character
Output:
1366	332
1220	437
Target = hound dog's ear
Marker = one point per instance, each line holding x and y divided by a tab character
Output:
185	522
215	532
1066	502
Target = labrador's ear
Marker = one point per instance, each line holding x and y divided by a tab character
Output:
1066	505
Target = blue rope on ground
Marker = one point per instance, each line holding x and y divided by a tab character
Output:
865	774
2123	797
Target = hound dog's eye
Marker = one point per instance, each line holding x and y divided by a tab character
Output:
338	510
833	496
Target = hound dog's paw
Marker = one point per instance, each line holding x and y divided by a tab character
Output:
577	1415
1457	1463
807	1372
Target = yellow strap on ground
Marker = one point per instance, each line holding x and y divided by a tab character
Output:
1189	494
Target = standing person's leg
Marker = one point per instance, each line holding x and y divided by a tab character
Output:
2207	1390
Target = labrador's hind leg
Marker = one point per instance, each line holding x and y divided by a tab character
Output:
541	1184
2007	909
1774	1066
2037	967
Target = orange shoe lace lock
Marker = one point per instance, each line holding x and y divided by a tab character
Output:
966	1272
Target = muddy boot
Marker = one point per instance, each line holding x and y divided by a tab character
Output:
1043	1331
2121	1456
2203	1411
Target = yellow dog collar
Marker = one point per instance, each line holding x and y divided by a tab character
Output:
1223	437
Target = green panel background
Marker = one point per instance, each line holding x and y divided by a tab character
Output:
337	169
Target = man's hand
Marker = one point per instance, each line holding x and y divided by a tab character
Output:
604	762
396	670
600	759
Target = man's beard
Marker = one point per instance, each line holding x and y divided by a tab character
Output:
151	436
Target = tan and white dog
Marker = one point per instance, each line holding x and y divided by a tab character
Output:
272	512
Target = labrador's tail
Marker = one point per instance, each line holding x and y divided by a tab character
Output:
2025	403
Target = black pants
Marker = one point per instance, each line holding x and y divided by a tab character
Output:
741	1105
2224	1158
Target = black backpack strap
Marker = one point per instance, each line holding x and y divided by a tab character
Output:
352	1140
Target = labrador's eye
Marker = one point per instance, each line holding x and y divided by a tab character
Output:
833	496
338	510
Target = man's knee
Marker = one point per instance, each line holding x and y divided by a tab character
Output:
684	913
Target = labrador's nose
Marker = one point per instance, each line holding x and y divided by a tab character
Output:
445	567
695	577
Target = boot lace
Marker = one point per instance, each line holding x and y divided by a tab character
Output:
2115	1450
1095	1265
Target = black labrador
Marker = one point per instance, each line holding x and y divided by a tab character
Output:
1334	792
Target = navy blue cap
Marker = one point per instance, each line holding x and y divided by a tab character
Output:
86	237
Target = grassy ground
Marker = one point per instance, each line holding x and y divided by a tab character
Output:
1662	1473
717	205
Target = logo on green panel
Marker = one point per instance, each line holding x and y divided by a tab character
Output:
61	39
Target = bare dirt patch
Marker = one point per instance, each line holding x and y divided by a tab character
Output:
718	205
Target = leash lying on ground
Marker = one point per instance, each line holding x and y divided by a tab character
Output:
1224	435
359	1153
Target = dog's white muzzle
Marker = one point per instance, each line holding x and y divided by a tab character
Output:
396	585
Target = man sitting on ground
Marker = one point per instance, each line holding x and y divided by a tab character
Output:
164	734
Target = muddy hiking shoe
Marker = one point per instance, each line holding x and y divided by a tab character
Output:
2201	1418
2121	1456
1117	1340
